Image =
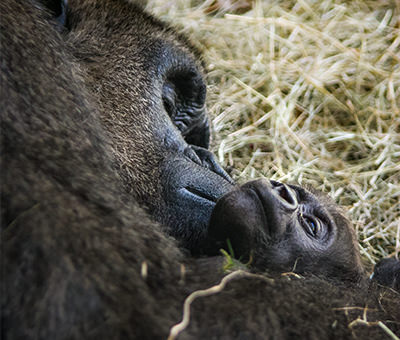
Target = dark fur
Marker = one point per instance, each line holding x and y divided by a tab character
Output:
75	241
387	273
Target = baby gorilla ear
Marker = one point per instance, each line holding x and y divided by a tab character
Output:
387	273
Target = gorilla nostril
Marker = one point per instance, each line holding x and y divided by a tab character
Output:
285	194
275	183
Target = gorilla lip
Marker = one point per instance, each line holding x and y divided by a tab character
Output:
201	194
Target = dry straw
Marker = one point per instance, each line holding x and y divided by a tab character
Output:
308	92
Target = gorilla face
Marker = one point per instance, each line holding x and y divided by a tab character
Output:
285	228
160	131
150	94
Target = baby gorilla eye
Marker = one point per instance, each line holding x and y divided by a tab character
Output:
312	225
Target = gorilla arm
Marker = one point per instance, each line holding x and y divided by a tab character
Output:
72	252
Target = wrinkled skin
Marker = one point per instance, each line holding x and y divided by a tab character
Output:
86	137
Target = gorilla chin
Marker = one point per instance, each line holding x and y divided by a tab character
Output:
283	228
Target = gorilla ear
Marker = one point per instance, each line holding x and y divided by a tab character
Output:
387	273
58	8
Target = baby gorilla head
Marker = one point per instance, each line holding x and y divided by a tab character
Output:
285	228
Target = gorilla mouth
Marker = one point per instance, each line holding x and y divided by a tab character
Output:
201	194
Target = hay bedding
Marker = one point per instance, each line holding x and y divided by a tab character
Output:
309	92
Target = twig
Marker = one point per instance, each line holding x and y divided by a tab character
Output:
179	327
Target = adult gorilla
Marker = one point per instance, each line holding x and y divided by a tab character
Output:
150	98
102	115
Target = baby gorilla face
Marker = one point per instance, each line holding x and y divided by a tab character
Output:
284	228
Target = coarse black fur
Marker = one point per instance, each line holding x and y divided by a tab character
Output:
136	72
87	139
387	273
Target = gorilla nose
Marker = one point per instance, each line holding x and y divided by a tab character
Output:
285	194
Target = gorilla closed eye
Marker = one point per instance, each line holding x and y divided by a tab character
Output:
185	90
169	98
183	97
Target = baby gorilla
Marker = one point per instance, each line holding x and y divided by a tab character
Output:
285	228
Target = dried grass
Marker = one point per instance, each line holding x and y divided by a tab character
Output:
309	92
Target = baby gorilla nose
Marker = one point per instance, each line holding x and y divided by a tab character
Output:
286	196
249	217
